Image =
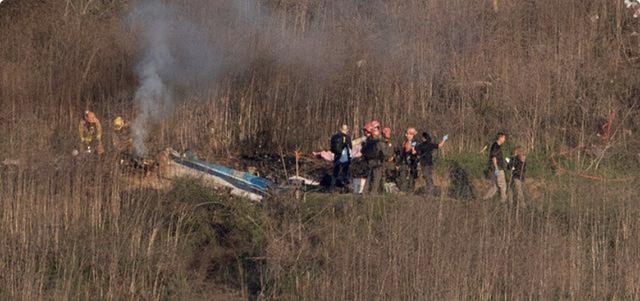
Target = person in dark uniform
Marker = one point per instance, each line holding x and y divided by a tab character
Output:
408	162
388	152
517	165
372	153
425	152
497	167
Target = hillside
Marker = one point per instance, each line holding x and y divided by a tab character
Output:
247	83
290	72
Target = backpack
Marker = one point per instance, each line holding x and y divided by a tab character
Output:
370	149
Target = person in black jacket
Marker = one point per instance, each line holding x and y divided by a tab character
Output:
341	149
497	167
425	152
373	154
517	165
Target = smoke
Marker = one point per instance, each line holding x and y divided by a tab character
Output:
153	97
175	56
187	47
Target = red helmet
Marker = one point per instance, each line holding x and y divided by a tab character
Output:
91	117
386	132
368	128
375	133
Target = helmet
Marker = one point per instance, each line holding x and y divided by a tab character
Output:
118	123
386	132
90	117
368	128
375	133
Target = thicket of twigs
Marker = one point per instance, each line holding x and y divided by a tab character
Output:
549	72
79	234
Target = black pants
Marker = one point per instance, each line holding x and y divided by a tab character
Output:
389	169
340	172
428	179
407	175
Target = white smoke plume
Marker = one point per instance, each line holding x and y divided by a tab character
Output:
175	56
153	97
187	45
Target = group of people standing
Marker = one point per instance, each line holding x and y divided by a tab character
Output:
90	133
498	165
382	158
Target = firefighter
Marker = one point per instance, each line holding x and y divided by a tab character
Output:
375	124
121	138
90	131
388	152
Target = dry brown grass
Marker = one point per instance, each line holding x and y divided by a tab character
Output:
578	247
77	233
544	70
72	234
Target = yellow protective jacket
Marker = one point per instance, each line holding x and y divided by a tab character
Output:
90	132
121	139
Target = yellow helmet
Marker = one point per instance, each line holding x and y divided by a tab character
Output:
118	123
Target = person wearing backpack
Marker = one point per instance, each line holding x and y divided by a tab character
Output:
341	149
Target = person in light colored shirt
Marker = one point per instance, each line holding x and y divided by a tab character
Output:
341	149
